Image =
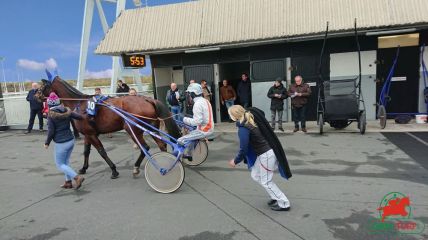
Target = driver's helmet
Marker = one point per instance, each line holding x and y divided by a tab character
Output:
195	88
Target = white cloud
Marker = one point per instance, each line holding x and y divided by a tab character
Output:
51	63
100	74
33	65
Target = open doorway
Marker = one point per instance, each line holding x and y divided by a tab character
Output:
232	72
404	92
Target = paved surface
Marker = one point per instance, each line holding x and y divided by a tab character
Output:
339	180
372	127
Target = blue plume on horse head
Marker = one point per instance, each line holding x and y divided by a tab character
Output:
50	76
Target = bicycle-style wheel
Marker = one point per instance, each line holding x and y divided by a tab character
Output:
362	122
321	123
198	154
169	182
381	115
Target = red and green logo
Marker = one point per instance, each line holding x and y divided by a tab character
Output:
395	215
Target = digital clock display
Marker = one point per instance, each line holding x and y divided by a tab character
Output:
134	61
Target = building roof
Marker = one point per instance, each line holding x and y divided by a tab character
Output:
207	23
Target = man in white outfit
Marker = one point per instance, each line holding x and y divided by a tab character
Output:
202	116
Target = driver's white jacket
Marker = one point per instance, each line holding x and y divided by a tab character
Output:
202	116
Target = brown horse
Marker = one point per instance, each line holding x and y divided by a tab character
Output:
107	121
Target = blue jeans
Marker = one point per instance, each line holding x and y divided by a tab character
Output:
176	110
62	158
299	115
229	103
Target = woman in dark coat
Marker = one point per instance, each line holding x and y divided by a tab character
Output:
59	118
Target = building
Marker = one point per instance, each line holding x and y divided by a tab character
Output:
220	39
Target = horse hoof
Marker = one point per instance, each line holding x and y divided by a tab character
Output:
136	171
114	175
82	171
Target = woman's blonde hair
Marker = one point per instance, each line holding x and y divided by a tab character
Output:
238	113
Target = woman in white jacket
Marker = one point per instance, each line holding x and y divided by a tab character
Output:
202	118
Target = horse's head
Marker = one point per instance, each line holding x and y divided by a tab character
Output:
46	87
44	90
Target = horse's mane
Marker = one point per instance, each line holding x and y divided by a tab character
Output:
71	89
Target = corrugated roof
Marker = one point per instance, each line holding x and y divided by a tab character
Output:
217	22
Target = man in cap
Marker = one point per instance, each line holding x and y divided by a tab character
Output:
277	93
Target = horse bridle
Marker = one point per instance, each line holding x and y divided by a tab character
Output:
42	88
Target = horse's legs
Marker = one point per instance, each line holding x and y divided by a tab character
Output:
140	159
100	148
86	152
140	139
161	144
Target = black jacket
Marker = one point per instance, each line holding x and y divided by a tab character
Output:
244	91
277	103
264	127
34	103
250	138
171	99
59	119
123	89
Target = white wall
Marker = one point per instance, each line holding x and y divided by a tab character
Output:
260	100
178	77
345	66
163	76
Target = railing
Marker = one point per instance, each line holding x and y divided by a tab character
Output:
15	110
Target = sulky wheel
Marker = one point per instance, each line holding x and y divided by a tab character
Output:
321	123
168	182
198	155
381	115
362	122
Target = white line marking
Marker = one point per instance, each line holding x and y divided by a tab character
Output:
417	139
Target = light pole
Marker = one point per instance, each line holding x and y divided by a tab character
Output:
4	76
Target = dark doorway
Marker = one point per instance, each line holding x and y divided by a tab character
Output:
405	92
232	72
307	67
199	73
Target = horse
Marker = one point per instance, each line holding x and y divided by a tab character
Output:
147	109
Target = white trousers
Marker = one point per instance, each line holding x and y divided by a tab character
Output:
262	172
193	135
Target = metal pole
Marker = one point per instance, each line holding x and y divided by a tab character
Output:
4	76
120	6
84	43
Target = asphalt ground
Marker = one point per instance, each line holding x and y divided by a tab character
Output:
338	182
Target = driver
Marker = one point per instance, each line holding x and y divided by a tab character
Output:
92	109
202	116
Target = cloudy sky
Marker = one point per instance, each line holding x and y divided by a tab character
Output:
36	34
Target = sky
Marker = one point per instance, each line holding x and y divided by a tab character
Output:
39	34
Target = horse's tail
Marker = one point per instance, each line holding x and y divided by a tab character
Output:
163	112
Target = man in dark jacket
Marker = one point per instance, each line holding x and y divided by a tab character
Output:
299	93
36	108
122	87
277	93
174	99
244	91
